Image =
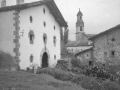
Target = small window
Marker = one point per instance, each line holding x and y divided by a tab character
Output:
90	62
54	27
54	40
31	37
44	10
80	17
44	23
81	28
87	55
113	39
54	56
31	19
103	64
44	38
31	58
112	53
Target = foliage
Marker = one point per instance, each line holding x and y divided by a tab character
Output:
6	60
57	73
61	35
75	62
89	83
66	35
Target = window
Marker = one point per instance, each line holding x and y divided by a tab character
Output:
54	27
81	28
44	23
31	36
44	10
90	62
87	55
112	53
54	56
80	17
54	40
103	64
113	39
31	58
44	38
31	19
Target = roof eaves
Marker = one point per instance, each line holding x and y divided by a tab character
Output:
84	51
61	20
93	37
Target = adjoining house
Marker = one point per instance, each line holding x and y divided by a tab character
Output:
82	42
85	56
30	32
106	46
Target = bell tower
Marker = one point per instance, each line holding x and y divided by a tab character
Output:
79	26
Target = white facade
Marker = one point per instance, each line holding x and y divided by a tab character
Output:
26	49
14	35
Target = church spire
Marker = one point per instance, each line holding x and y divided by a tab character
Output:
79	26
79	13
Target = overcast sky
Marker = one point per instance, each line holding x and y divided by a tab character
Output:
98	15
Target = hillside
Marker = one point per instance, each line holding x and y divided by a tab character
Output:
27	81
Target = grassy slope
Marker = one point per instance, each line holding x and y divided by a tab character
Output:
29	81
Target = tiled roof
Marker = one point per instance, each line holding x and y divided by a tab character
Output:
117	26
90	35
49	3
84	51
71	44
77	44
81	44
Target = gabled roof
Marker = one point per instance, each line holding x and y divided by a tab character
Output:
49	3
107	31
90	35
71	44
91	48
77	44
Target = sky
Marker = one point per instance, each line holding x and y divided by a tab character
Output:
98	15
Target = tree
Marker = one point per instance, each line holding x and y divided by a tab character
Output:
66	35
61	34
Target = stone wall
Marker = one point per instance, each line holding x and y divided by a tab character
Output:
107	47
85	57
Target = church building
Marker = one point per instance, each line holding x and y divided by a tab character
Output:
82	42
30	32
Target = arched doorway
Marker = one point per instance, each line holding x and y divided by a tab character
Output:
45	60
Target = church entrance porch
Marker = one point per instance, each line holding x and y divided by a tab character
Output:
44	60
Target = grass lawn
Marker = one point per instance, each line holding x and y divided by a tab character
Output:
28	81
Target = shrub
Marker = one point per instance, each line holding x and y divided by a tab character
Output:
107	85
75	62
6	61
57	73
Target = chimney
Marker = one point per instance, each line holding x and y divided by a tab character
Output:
20	2
3	3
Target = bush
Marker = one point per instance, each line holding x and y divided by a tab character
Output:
6	61
107	85
57	73
75	62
